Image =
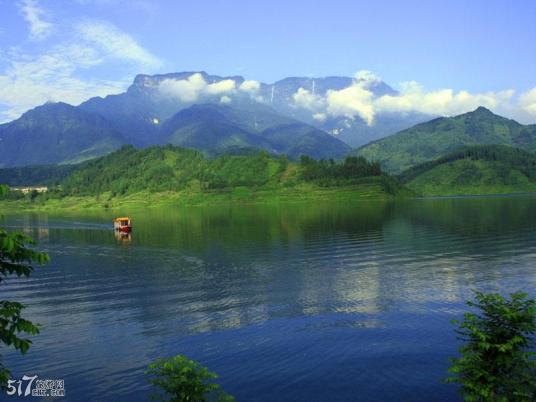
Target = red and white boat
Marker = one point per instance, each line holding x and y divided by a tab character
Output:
123	224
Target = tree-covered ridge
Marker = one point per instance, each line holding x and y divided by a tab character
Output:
328	173
171	168
428	141
352	167
485	169
36	175
168	168
516	158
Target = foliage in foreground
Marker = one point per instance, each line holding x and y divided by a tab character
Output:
180	379
16	258
496	362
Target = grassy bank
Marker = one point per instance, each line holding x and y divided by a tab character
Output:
170	175
369	189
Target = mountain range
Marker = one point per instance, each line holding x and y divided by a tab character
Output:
216	115
135	111
201	116
473	153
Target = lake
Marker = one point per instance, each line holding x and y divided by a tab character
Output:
319	302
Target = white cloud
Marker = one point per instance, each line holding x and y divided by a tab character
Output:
116	43
51	76
187	90
320	117
225	100
33	14
308	100
358	100
443	102
527	101
250	86
63	72
195	87
367	77
352	101
221	87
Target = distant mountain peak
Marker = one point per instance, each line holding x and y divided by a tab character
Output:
482	109
51	109
483	113
54	105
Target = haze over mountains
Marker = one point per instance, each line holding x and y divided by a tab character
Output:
195	109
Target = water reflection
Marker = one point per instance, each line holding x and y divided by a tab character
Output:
123	237
306	298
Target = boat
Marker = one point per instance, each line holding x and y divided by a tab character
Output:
123	224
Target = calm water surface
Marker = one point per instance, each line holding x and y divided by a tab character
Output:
287	303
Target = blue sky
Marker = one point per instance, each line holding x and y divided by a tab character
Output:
70	50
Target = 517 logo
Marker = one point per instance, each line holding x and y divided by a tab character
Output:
32	386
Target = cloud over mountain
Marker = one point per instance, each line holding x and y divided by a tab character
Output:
358	101
528	101
194	88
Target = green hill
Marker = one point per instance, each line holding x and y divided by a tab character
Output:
428	141
475	170
170	174
36	175
171	168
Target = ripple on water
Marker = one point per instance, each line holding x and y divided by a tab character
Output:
315	304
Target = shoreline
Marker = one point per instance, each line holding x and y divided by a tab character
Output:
237	195
496	195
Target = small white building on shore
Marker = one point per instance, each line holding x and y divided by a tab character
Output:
26	190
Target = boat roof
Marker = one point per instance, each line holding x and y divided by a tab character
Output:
123	218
